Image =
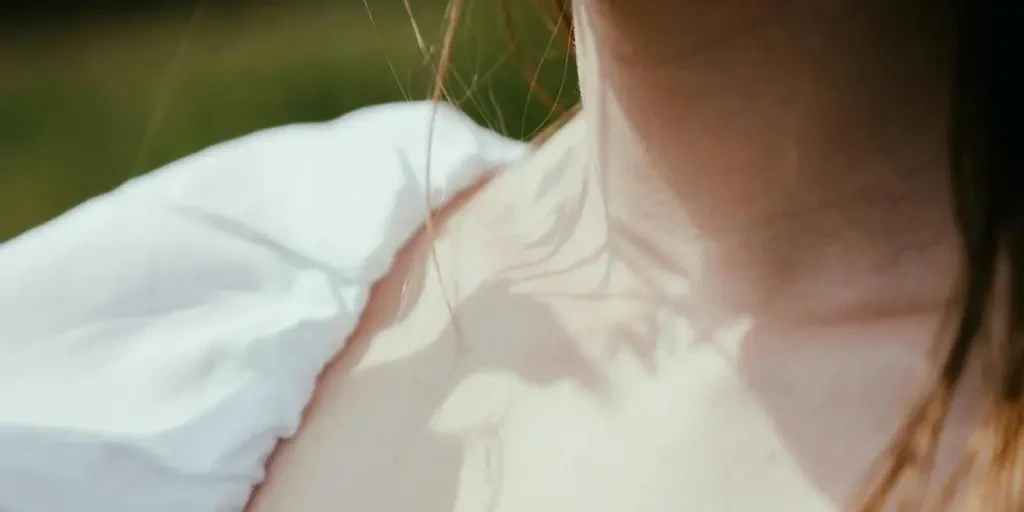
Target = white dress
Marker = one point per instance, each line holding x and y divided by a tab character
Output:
158	341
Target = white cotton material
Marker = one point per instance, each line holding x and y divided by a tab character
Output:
156	342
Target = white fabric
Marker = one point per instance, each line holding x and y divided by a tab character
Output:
156	342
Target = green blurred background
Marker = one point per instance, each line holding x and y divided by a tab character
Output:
94	93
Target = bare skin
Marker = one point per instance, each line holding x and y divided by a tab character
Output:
713	290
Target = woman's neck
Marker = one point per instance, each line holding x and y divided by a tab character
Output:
777	150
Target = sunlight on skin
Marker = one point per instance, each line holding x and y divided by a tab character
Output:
626	343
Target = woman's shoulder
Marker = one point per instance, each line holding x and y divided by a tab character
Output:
457	303
156	341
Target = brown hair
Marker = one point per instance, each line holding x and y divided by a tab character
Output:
986	184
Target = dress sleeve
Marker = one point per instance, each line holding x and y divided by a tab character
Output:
157	341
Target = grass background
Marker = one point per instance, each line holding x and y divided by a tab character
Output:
92	100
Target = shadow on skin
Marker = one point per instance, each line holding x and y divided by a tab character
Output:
828	394
835	398
383	441
395	456
370	439
818	388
